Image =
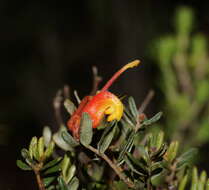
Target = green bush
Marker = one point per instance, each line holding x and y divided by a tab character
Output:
182	58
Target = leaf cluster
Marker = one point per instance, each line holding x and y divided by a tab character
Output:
133	157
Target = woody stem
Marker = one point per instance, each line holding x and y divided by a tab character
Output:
39	180
113	166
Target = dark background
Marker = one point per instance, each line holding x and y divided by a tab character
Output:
46	44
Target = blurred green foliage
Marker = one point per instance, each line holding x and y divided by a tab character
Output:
183	60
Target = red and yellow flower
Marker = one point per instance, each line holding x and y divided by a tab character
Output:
104	103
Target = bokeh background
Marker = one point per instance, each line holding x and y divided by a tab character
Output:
47	44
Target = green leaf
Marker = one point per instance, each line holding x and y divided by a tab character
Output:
172	151
143	152
74	184
125	129
202	181
158	155
71	173
41	147
129	118
49	150
132	167
47	135
69	139
106	138
23	165
156	165
202	92
70	107
202	135
52	163
26	156
154	119
135	165
183	182
119	185
194	179
96	171
62	184
53	169
53	187
159	179
155	141
184	20
186	157
207	184
159	140
126	146
65	165
156	171
132	106
33	148
48	180
24	153
57	137
86	132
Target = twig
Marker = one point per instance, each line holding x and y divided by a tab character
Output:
76	96
39	180
66	91
113	166
143	106
171	178
57	107
96	80
146	101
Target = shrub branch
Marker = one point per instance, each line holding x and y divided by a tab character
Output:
113	166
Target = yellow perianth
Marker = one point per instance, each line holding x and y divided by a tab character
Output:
114	110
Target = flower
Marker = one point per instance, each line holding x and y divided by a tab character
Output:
103	103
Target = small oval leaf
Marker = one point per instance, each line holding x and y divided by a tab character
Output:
74	184
23	165
183	183
69	139
156	171
62	184
131	166
47	135
57	137
106	138
53	169
48	180
126	146
33	147
86	132
154	119
71	173
132	106
70	107
48	152
186	157
40	147
25	153
52	163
